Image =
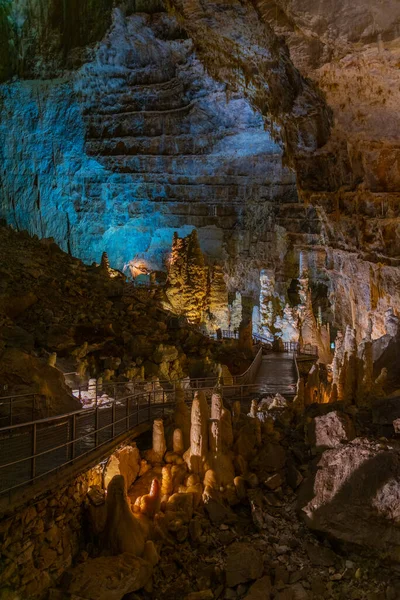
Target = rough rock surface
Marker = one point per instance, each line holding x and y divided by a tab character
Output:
143	142
91	320
108	577
330	430
125	462
354	494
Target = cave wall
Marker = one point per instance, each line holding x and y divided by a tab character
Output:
137	143
146	122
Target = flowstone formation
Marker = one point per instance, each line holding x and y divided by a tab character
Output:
276	320
193	289
144	142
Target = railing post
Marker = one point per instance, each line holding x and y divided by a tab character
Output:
113	419
96	392
73	436
34	444
96	427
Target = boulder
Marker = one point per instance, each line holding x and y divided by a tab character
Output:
353	495
260	590
26	374
270	458
108	577
243	563
330	430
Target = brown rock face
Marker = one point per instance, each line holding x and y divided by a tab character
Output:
126	462
354	496
26	374
243	563
330	430
109	577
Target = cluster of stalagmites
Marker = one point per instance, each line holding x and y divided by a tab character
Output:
195	290
356	374
276	320
200	462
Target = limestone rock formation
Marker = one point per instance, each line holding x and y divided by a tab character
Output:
123	532
125	462
330	430
353	495
47	392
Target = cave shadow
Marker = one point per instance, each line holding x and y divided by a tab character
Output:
351	509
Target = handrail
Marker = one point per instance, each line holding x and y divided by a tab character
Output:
36	447
112	387
307	349
251	372
82	428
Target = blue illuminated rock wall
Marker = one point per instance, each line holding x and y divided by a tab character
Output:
136	144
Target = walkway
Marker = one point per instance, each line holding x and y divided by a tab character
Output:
32	450
277	373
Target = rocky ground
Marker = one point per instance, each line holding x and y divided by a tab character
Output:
259	547
262	549
282	560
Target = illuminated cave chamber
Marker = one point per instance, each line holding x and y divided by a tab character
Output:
238	162
144	144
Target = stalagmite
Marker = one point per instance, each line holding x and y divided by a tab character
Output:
216	404
196	455
215	437
150	503
123	533
166	482
105	263
253	409
177	442
349	367
156	454
182	416
235	312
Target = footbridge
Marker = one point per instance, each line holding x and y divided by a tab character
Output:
34	450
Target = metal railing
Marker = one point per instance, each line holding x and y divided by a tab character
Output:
307	349
20	408
224	334
248	376
36	449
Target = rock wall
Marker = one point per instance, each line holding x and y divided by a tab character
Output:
136	144
155	122
40	540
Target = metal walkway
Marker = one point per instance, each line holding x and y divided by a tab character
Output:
33	450
277	373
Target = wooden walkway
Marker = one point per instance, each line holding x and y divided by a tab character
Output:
277	373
